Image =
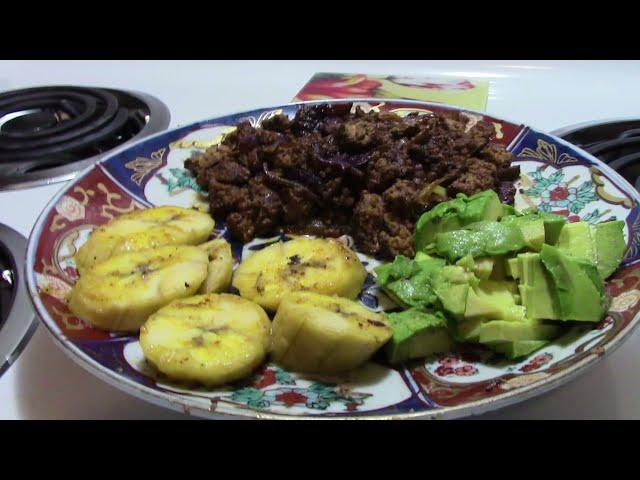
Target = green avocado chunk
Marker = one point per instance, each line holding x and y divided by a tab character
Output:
483	206
408	282
479	240
454	214
451	285
417	334
441	218
482	267
577	284
512	267
575	240
532	228
526	329
518	348
610	246
508	210
494	299
468	330
536	288
553	225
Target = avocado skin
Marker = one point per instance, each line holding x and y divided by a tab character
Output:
610	245
479	240
577	284
455	214
417	334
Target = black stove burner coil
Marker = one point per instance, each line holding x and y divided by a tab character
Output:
629	167
618	143
66	101
86	141
98	117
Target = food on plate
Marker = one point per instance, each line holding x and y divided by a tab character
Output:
601	244
316	333
143	229
330	171
577	284
482	273
303	264
220	267
119	294
455	214
417	334
512	281
212	339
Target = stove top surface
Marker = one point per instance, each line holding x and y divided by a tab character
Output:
48	134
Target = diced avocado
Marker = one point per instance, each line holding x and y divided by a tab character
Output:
517	349
454	274
591	271
481	266
467	262
610	246
512	267
528	211
453	298
451	285
536	288
575	240
468	330
602	245
423	257
494	300
417	334
479	240
484	267
507	210
553	225
526	329
483	206
532	228
441	218
408	282
401	267
577	284
455	214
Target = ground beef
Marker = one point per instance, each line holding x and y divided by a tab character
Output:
331	171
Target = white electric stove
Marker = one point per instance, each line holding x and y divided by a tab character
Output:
137	98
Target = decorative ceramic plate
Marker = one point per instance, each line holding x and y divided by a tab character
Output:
556	177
